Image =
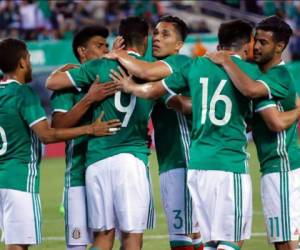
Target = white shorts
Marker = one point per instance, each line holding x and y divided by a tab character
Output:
119	194
177	202
223	204
20	217
281	205
76	229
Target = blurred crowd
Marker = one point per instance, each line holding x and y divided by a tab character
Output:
58	19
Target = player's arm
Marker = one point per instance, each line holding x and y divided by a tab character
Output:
181	104
50	135
247	86
59	79
278	121
150	90
97	92
150	71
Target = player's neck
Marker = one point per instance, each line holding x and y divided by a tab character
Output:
270	64
14	76
137	49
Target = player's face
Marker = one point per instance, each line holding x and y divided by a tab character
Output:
96	47
166	40
28	72
264	47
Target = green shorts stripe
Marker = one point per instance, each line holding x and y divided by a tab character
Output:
151	212
37	217
238	210
66	214
284	205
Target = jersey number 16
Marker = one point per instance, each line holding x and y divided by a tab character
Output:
217	97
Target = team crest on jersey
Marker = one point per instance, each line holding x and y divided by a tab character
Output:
76	233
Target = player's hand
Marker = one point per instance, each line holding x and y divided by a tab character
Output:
115	54
122	79
118	43
67	67
219	57
101	128
99	92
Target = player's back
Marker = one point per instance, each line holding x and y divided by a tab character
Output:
219	113
20	148
133	112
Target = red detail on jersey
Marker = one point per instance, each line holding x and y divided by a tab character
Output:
183	248
200	247
296	232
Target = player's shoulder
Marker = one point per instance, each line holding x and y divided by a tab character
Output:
178	58
280	71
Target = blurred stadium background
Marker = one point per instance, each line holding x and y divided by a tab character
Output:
48	26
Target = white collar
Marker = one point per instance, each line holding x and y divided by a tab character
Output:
133	52
8	81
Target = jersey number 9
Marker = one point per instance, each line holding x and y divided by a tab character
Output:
3	149
125	109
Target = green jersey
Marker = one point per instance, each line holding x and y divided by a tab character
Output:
63	101
218	140
20	149
132	111
171	128
277	152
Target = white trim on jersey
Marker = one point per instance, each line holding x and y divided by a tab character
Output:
59	111
168	65
72	81
265	107
133	53
37	121
167	88
267	87
8	81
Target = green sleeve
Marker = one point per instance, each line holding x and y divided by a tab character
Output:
178	81
62	101
30	106
175	62
277	81
85	74
263	103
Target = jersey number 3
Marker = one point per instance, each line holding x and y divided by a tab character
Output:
125	109
217	97
4	141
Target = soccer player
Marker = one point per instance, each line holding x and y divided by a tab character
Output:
71	108
218	158
23	124
117	179
276	145
171	130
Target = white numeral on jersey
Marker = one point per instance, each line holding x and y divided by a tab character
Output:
212	106
125	109
4	141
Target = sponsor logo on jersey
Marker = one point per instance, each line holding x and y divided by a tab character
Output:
76	233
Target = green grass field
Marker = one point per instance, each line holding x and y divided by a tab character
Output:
52	171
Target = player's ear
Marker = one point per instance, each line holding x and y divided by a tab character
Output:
81	52
22	62
179	45
218	47
280	47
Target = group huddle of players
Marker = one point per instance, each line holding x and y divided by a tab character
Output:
201	109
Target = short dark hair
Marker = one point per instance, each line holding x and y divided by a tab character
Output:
11	51
179	24
133	30
281	30
85	34
234	34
